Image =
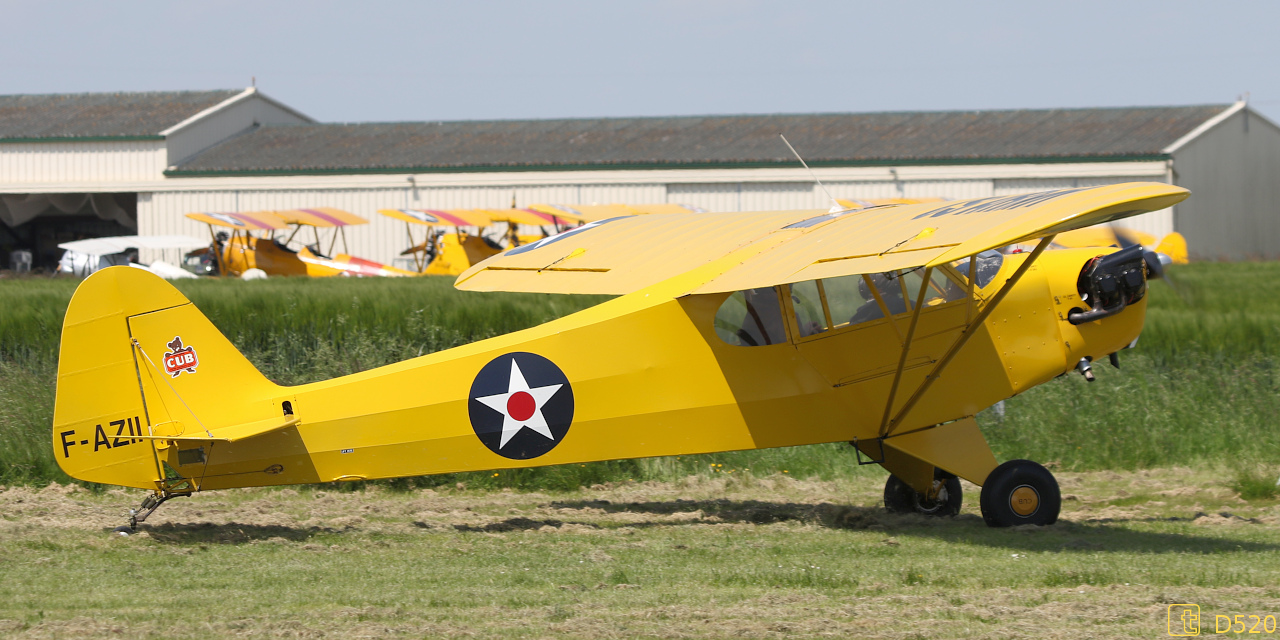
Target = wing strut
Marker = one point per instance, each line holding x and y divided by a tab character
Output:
906	344
888	426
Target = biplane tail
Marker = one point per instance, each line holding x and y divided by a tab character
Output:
1174	246
140	372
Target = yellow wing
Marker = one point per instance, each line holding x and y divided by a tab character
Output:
621	255
249	220
320	217
440	217
532	217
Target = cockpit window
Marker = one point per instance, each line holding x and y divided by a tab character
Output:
806	299
752	318
988	265
941	288
850	300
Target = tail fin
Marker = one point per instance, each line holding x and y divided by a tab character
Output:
1174	246
138	360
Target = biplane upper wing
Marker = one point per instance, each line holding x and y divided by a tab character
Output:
320	217
532	217
621	255
247	221
440	217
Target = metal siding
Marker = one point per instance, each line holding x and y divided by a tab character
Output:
864	190
383	238
778	196
746	196
622	194
712	196
1233	172
949	189
57	162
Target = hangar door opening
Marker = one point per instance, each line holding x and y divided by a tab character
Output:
37	222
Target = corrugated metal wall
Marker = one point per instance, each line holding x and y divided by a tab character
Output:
747	196
1233	172
58	162
712	196
383	239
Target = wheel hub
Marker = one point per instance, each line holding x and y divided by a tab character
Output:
1024	500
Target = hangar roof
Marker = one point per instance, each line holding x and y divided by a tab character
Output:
834	139
80	116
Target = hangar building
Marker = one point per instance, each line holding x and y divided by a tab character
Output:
77	165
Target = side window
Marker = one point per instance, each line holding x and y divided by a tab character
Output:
806	298
988	265
850	301
941	288
751	318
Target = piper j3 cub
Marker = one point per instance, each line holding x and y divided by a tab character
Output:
888	327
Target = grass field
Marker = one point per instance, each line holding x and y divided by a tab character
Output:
747	556
1168	467
1202	387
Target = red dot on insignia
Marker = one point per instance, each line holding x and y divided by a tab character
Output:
520	406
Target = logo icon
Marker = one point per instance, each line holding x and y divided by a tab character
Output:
179	359
521	405
1184	619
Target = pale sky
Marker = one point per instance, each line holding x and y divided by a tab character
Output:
384	61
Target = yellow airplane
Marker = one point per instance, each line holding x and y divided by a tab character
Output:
1173	245
888	327
243	251
449	254
441	253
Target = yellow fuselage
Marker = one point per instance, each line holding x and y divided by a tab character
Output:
648	376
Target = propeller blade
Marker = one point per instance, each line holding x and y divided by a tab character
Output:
1156	262
1124	237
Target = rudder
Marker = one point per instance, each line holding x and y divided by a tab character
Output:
138	359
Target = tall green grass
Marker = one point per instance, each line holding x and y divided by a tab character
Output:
1201	388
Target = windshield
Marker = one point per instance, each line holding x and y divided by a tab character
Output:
989	263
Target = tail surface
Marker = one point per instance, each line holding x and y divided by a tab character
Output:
1174	246
138	362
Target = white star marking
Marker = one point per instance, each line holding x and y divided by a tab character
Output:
500	403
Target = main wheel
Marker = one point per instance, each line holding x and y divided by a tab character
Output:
899	497
1020	492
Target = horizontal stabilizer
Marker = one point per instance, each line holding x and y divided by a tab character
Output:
230	434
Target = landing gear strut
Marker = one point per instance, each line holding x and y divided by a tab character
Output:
943	499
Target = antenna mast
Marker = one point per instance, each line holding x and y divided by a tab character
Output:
835	206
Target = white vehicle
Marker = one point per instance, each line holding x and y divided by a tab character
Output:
84	257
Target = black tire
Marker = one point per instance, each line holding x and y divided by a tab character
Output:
1020	492
899	497
123	529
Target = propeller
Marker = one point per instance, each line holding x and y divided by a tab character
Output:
1156	262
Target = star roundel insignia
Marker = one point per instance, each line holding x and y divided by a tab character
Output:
521	405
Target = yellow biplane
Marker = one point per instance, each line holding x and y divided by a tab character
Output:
1173	245
241	251
449	254
886	327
